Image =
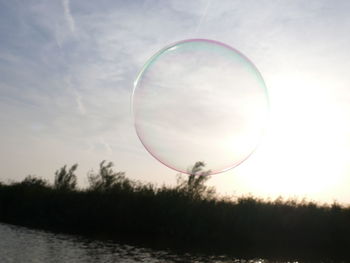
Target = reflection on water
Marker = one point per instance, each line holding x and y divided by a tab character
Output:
19	244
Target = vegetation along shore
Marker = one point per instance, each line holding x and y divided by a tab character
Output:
189	216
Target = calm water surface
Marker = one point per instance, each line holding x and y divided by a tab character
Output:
19	244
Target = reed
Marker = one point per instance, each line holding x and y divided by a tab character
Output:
188	216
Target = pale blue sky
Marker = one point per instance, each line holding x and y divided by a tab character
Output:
67	70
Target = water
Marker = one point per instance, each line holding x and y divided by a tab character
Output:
20	244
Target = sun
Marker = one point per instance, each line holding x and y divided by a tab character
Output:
306	147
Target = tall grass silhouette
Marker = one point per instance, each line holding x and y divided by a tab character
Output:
189	215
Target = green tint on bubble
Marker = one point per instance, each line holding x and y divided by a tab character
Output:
199	100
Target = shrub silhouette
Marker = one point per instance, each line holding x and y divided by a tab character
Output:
188	216
107	178
195	186
34	181
66	180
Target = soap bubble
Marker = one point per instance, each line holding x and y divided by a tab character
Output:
199	100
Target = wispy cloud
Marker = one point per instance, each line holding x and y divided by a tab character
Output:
68	15
106	145
80	104
202	17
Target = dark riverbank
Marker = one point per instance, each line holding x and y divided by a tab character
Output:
186	217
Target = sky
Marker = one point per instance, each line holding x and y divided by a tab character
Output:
68	67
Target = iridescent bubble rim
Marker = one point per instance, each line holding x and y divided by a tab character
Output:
241	56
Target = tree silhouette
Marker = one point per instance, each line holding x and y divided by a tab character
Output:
106	178
195	186
66	179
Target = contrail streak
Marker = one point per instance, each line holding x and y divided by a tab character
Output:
202	17
68	15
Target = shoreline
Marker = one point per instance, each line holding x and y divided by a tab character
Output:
166	218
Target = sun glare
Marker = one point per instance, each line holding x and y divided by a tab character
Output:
304	151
